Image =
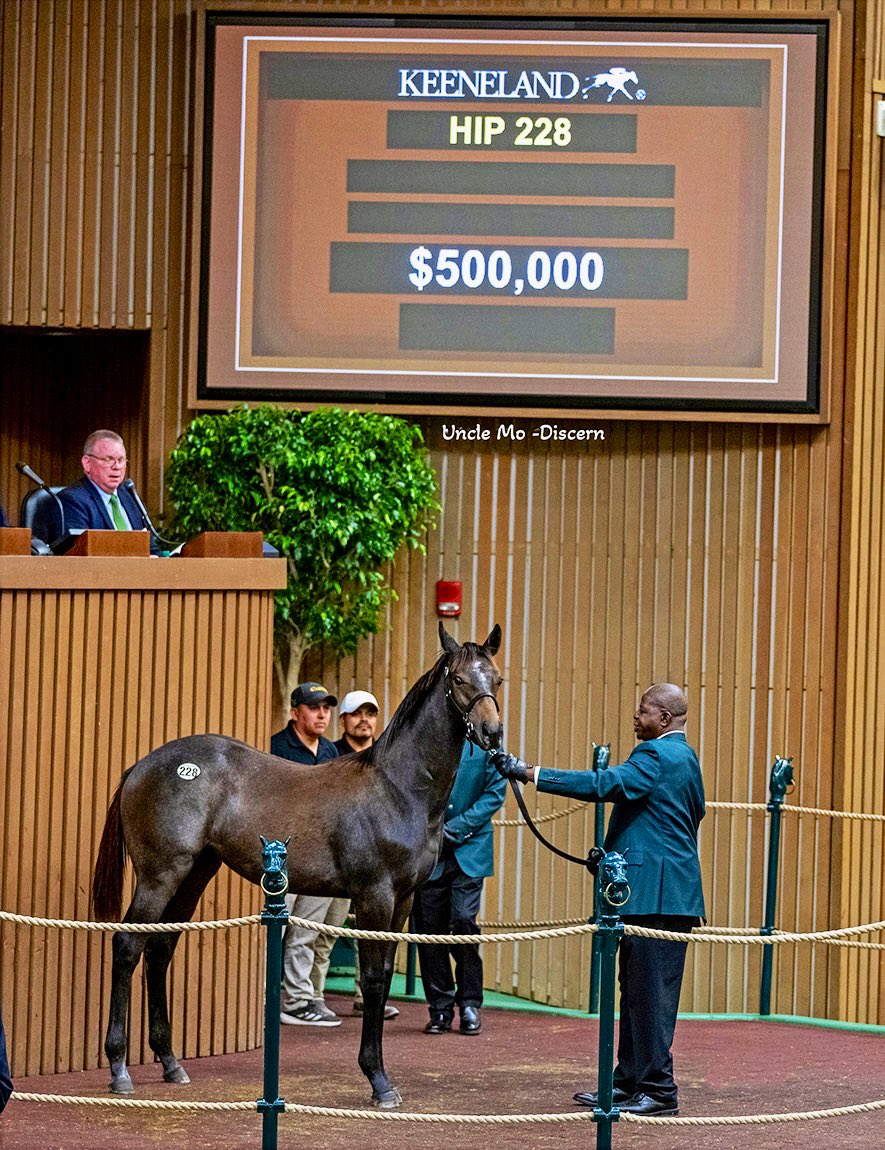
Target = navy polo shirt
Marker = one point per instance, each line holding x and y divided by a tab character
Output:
287	745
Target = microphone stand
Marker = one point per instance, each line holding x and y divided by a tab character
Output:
133	491
29	473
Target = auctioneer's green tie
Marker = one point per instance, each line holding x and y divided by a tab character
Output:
117	513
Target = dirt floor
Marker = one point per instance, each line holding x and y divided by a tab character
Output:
521	1063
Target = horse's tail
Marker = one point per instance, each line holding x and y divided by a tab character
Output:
107	880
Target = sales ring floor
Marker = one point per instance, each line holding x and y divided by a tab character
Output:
525	1061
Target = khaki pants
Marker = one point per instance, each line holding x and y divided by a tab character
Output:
298	950
337	912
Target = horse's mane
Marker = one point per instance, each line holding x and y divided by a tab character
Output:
416	698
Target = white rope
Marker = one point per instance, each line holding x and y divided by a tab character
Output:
455	1119
130	927
712	805
759	1119
750	939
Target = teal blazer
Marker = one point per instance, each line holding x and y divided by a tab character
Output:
658	797
477	795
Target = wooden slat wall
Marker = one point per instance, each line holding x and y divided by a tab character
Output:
664	552
102	678
862	983
742	560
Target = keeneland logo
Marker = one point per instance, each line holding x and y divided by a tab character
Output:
616	79
501	84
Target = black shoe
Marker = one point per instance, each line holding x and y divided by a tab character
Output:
589	1097
648	1107
440	1023
471	1023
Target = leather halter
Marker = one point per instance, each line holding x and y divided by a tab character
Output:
464	715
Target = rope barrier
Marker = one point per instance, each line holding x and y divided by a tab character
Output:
130	927
459	1119
713	805
751	939
760	1119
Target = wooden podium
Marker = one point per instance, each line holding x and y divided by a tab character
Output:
225	545
101	660
15	541
112	544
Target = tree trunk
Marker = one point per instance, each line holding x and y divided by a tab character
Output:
288	675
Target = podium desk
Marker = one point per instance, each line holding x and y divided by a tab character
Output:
101	661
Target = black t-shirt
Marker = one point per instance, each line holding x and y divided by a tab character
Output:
344	747
287	745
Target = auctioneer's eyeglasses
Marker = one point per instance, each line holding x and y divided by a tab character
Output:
108	460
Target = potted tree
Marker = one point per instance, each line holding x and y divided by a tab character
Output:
337	493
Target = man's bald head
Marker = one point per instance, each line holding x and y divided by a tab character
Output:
662	708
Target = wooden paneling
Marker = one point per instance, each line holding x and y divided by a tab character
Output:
661	552
862	784
91	681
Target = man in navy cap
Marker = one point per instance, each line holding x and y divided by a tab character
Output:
302	741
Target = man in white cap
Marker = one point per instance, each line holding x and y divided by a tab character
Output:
358	715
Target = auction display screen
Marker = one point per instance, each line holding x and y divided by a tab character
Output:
574	216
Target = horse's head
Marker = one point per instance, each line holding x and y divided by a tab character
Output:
472	681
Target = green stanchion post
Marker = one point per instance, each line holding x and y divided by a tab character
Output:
411	962
274	883
781	777
614	892
601	756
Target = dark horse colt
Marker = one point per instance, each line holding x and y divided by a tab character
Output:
367	826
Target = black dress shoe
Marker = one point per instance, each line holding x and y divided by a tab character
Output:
648	1107
471	1023
589	1097
440	1023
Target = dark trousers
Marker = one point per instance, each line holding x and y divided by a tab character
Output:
449	905
650	977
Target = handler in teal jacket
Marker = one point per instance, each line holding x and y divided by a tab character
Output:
658	797
448	902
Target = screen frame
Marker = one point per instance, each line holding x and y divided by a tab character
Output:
814	408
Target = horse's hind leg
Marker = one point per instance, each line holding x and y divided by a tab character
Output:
376	970
152	893
157	956
126	949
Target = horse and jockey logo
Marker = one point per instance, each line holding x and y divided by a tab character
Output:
617	79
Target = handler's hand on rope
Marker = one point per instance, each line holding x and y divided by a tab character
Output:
509	766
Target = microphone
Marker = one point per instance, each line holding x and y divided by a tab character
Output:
29	473
131	488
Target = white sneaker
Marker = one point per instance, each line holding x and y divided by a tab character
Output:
310	1014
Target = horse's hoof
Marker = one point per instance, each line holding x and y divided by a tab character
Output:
122	1084
389	1100
178	1075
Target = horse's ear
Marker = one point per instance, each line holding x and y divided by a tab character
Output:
494	640
449	645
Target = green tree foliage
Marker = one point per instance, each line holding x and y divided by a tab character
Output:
338	493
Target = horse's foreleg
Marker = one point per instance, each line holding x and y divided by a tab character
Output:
157	956
376	971
374	983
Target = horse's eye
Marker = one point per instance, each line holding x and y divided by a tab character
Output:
458	679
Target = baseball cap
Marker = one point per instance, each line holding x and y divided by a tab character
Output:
313	694
353	700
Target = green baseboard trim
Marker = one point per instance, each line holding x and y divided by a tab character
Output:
343	984
824	1023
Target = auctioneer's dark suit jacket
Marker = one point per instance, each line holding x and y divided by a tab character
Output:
85	509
